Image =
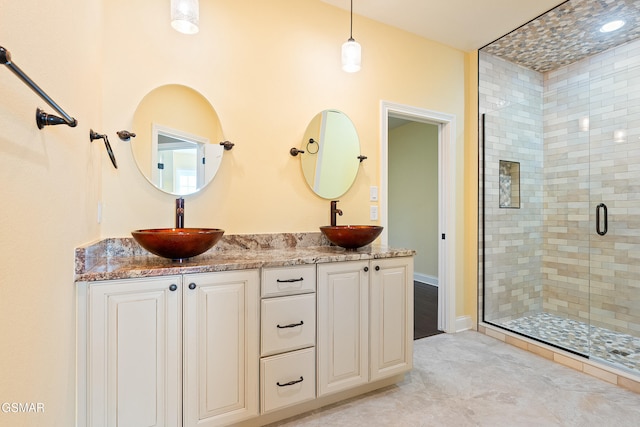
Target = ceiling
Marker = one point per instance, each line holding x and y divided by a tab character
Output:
463	24
518	31
568	33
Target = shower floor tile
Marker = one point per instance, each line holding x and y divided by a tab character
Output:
612	347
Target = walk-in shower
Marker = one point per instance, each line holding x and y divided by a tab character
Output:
559	197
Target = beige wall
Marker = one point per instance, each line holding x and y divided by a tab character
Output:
266	67
468	286
50	188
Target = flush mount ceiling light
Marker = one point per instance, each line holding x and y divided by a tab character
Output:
351	51
185	15
612	26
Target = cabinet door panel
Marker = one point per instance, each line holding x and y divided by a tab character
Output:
342	326
391	316
221	348
134	348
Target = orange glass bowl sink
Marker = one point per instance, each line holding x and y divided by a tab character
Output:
351	236
177	243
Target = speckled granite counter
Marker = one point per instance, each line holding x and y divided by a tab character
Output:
123	258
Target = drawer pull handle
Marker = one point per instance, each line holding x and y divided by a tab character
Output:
290	280
290	382
292	325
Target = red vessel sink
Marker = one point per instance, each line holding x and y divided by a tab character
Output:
177	243
351	236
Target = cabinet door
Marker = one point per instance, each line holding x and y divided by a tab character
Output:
134	352
342	326
221	355
391	316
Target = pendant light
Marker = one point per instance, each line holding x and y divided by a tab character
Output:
351	51
185	15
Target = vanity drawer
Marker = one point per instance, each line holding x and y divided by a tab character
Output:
287	379
288	280
288	323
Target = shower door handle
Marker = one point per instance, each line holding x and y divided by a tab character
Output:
601	207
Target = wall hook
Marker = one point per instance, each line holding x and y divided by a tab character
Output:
227	145
361	157
125	135
294	151
94	135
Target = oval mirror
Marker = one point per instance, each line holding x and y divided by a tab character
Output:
177	144
331	149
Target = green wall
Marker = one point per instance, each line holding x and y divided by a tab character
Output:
413	193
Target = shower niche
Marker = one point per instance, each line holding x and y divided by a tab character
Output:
509	184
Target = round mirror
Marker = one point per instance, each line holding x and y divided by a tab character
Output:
177	144
331	149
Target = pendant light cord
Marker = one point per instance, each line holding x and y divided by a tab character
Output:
351	27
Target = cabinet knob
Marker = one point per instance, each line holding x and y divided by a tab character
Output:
366	269
377	268
173	287
192	286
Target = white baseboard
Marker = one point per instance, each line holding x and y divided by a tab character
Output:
425	278
464	323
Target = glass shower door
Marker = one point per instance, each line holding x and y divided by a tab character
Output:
614	267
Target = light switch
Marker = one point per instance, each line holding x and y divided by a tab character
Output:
373	213
373	193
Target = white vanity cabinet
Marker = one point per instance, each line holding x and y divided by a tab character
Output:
241	347
178	350
365	322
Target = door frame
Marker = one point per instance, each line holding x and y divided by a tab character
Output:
446	198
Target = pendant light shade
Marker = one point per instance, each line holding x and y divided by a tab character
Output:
351	56
351	51
185	15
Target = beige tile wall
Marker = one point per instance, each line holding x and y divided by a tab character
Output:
586	276
511	98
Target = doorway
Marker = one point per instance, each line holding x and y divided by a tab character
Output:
443	128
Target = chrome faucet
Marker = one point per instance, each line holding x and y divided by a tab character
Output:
180	212
334	211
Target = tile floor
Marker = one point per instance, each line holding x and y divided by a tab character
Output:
470	379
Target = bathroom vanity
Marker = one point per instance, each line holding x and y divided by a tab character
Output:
258	329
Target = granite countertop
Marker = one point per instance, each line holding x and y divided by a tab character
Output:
123	258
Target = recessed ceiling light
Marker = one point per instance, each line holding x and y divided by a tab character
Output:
612	26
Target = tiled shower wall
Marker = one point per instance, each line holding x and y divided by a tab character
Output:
586	167
537	257
511	100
